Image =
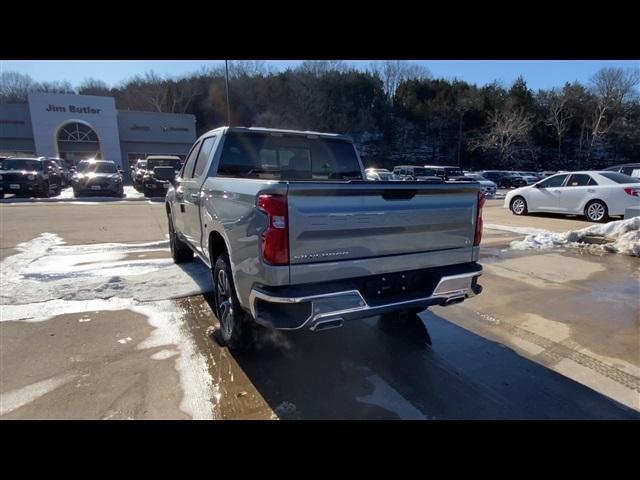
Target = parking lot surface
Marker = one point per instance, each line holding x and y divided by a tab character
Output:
97	323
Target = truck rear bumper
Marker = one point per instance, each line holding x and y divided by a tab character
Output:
327	310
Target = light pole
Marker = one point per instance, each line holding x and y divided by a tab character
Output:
226	81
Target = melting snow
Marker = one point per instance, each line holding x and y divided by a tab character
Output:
624	233
48	278
45	269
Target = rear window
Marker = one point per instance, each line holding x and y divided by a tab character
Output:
288	157
618	177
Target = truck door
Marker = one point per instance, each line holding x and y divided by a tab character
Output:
192	187
179	211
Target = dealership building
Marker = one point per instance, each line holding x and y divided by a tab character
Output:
75	127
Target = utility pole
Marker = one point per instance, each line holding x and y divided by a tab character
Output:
226	81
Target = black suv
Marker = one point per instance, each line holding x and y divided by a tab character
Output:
30	177
504	179
152	185
99	177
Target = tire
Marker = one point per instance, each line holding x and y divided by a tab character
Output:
44	193
518	206
596	211
234	321
180	251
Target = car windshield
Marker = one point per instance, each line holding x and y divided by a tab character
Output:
21	164
163	162
477	177
100	168
142	163
619	177
386	175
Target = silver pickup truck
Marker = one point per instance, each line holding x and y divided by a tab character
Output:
297	239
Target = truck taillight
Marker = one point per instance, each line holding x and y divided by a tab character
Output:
634	192
478	236
275	238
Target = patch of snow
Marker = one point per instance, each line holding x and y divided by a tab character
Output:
47	278
15	399
45	269
164	354
625	233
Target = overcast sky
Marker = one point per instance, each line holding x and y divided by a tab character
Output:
537	73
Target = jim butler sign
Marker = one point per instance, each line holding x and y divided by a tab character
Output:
51	111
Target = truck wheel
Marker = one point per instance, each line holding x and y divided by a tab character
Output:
518	206
233	319
180	251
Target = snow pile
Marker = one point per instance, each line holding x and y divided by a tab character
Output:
45	269
624	233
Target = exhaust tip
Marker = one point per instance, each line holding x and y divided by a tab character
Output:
328	324
454	300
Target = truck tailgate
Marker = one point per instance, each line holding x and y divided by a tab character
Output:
339	221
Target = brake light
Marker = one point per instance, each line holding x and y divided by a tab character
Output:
478	235
634	192
275	238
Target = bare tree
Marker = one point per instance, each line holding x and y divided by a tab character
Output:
249	68
321	67
612	87
558	114
465	101
15	86
508	134
63	86
91	86
394	72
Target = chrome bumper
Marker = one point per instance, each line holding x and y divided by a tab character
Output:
334	308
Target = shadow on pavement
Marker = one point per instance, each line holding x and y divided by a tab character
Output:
369	371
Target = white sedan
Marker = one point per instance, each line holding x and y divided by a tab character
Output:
596	195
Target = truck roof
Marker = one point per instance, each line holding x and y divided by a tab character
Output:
279	130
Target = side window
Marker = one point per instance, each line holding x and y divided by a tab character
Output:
554	181
578	180
187	169
203	156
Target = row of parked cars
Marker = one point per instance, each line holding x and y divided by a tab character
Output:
153	174
490	180
44	177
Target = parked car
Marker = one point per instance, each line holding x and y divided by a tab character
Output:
596	195
489	188
631	169
33	177
413	173
503	178
151	184
445	172
139	171
284	221
380	174
63	170
546	173
529	177
99	177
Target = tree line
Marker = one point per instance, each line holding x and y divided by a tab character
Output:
397	112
